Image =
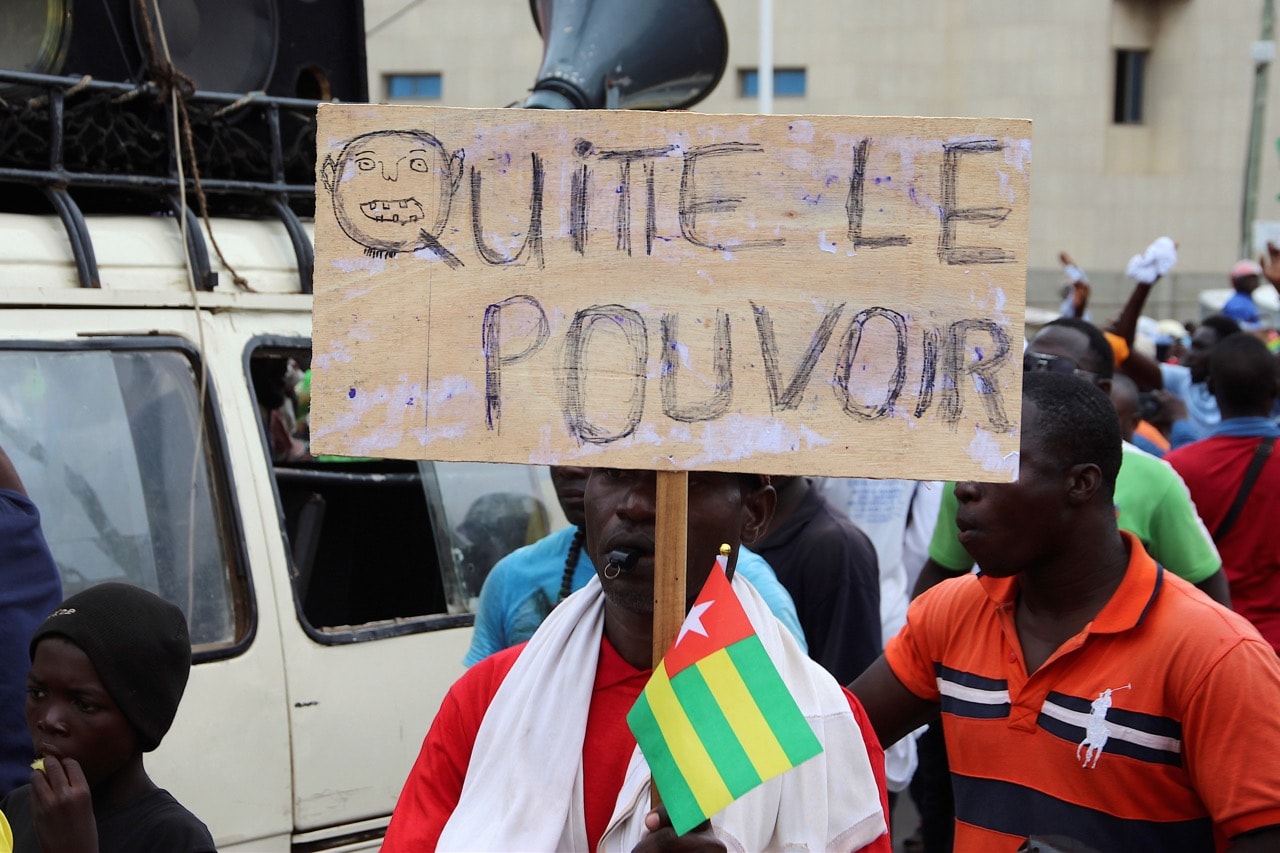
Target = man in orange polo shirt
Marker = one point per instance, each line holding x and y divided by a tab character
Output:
1086	693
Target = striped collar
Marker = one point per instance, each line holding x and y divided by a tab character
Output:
1136	595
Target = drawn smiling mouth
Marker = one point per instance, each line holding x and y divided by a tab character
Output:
402	210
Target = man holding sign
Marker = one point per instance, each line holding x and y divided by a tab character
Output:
531	748
661	293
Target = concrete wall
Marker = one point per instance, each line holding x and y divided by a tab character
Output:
1101	191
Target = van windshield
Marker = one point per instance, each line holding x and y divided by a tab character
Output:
109	447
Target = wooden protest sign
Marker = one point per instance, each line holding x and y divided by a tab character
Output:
820	295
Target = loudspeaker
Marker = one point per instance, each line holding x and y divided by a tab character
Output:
222	46
621	54
294	48
34	35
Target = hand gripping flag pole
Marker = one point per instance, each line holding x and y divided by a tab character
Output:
716	718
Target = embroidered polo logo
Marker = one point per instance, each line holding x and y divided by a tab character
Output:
1091	725
1096	731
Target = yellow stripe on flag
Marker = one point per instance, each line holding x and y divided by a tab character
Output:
686	747
744	715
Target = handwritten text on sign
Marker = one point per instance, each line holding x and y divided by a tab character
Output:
822	295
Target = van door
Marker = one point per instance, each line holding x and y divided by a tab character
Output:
384	561
137	480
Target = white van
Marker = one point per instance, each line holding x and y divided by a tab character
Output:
330	600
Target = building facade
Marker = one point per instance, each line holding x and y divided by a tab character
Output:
1141	108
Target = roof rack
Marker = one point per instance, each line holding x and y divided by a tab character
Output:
252	151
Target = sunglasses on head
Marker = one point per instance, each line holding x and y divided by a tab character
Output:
1034	362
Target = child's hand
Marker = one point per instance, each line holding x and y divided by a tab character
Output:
62	807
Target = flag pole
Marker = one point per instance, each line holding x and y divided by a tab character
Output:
672	534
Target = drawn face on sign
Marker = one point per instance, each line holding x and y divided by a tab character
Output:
392	190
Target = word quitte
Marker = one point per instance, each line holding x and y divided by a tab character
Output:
394	191
946	354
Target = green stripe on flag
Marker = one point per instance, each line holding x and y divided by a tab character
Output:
682	805
706	707
682	739
776	703
743	714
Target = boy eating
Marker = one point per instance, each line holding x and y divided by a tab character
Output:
108	669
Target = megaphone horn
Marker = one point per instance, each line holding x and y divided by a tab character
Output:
620	54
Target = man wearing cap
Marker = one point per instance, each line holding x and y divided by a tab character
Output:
1240	307
108	669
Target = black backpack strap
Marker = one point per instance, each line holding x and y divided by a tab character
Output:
1260	457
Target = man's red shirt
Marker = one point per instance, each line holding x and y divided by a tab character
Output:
1213	470
435	783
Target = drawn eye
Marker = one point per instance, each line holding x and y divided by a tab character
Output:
419	164
366	164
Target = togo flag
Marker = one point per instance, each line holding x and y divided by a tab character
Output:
716	719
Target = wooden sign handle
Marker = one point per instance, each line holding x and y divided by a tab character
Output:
669	572
672	534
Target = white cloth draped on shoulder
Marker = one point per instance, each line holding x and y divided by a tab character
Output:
523	789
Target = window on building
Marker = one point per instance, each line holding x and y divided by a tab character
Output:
1131	73
787	83
418	87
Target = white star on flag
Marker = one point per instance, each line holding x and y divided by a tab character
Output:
693	622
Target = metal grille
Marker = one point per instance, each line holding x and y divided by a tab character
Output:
103	134
105	145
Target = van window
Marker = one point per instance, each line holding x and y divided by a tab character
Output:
381	546
109	445
489	510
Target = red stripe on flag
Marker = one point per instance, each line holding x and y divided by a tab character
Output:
716	620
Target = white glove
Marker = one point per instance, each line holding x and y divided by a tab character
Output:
1157	260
